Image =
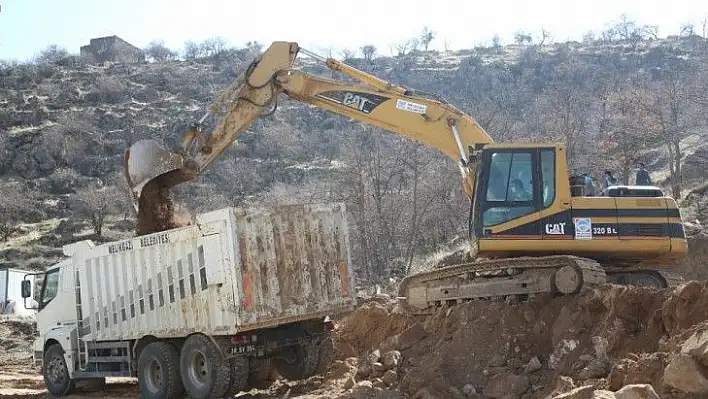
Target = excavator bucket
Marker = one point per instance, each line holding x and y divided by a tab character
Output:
145	160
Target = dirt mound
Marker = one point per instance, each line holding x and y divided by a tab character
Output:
611	342
609	338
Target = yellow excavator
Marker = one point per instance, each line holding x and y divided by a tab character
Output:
531	229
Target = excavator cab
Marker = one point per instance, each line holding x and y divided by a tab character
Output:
525	204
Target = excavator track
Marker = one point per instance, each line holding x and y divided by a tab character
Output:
423	292
646	277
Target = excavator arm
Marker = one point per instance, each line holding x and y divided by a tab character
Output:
254	93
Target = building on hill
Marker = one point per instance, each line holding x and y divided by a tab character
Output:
113	49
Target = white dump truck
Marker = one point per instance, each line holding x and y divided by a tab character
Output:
209	310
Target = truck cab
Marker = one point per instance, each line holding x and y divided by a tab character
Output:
52	296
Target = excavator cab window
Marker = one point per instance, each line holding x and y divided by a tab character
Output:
510	187
515	185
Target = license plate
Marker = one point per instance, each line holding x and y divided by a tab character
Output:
243	349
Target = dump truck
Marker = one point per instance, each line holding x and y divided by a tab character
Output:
208	309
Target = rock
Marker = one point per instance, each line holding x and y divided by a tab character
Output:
563	384
497	361
364	384
586	392
585	358
425	393
533	365
346	350
646	369
602	394
577	393
377	369
600	346
697	347
349	383
505	385
364	371
390	377
637	391
515	363
469	390
597	368
406	339
373	357
684	374
391	359
377	383
352	361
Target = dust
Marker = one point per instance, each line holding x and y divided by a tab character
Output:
156	211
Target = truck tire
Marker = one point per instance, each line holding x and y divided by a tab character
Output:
325	355
300	364
239	374
261	376
205	373
55	372
158	371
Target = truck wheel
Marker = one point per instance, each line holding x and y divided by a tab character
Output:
325	355
262	375
239	375
55	372
158	371
299	363
205	373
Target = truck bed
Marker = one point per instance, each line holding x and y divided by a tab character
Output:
234	270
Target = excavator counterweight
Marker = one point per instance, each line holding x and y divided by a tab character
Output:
531	230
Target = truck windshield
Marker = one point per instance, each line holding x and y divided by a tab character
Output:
50	287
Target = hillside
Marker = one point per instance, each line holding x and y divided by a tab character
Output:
65	124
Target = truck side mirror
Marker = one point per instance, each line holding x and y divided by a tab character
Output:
26	289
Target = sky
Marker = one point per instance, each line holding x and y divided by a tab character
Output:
28	26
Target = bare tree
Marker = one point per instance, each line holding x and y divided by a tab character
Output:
213	46
623	135
426	36
496	41
15	202
157	51
545	36
368	51
95	204
521	38
401	47
192	50
51	55
348	55
670	112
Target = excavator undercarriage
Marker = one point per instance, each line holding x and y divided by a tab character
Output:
424	292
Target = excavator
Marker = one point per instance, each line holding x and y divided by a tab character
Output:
531	229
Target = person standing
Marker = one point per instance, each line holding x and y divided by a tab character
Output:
609	180
589	188
643	178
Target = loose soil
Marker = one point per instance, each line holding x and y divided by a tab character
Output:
156	211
